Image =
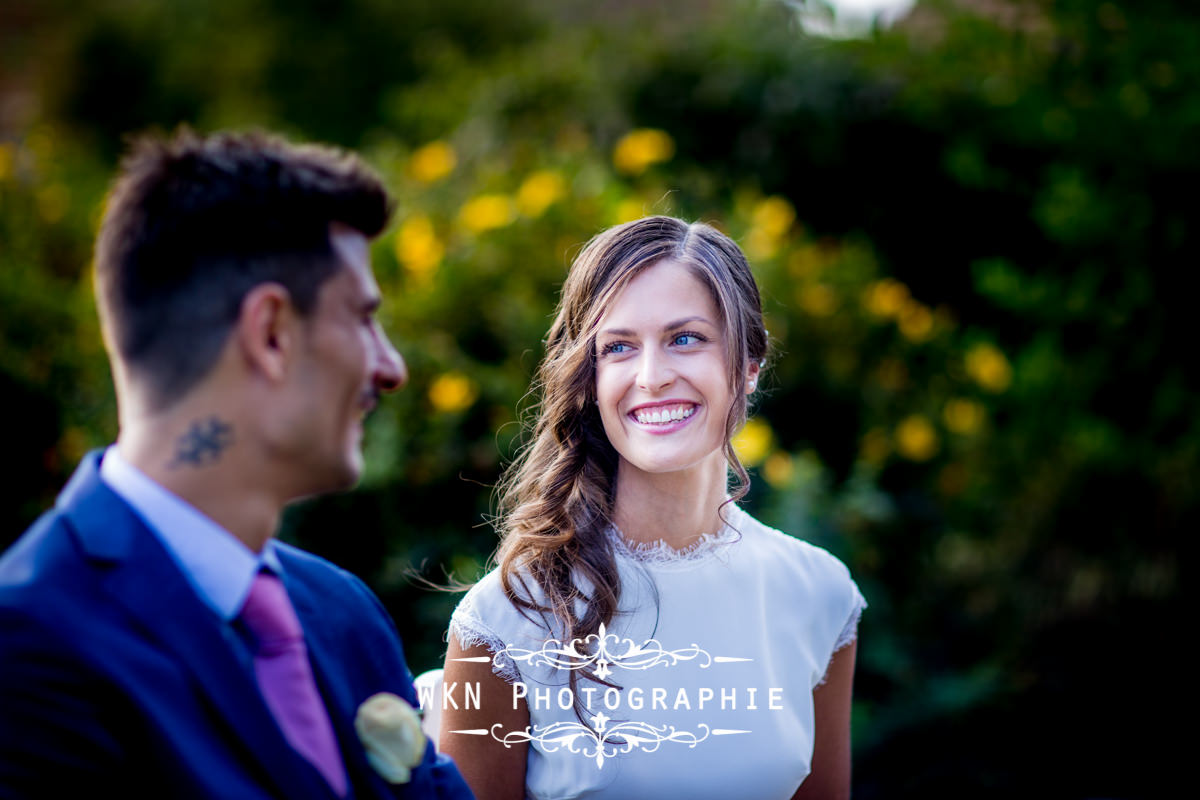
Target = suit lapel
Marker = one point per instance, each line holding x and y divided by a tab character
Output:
337	688
148	583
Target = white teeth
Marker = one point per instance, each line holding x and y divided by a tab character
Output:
659	416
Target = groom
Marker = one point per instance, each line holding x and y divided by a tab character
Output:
155	640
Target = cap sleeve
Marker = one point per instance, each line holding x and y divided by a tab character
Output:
485	616
850	630
846	604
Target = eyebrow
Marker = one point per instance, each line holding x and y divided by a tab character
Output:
670	326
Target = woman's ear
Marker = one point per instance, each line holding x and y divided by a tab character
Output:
266	330
752	377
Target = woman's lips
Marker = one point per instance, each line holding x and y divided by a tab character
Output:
663	417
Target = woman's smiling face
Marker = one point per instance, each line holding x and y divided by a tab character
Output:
662	382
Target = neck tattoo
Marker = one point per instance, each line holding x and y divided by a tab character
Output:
203	443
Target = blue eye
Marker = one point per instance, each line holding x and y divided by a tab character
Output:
614	347
684	339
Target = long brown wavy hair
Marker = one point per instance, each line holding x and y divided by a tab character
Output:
557	497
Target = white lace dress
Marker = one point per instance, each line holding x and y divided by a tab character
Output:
716	652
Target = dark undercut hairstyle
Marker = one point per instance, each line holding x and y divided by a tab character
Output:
193	223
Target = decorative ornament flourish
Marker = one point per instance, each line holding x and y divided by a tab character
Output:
605	742
609	651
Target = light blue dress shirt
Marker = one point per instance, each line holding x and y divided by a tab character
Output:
219	567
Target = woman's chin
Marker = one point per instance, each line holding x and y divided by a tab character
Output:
685	465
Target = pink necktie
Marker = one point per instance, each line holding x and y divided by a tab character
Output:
286	680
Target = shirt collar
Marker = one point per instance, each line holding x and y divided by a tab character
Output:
216	563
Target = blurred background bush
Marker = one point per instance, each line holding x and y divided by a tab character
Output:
972	228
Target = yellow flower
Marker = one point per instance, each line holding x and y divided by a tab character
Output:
774	215
432	162
539	191
452	392
641	148
988	367
778	469
485	212
772	218
915	321
418	247
760	245
628	210
886	298
962	415
916	438
753	442
817	300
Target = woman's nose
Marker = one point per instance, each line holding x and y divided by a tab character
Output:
654	371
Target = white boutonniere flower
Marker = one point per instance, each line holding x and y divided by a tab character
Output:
390	731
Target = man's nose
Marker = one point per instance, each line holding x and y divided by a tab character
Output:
390	370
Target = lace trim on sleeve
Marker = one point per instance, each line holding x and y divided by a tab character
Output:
850	632
848	635
469	633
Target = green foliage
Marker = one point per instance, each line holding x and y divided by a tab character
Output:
972	234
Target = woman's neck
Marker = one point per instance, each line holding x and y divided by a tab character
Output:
676	508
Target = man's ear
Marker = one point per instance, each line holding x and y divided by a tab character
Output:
267	330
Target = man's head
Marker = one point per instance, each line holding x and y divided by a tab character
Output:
239	262
193	224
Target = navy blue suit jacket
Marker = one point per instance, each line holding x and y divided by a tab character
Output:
115	675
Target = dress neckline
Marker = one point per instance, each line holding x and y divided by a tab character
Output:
661	555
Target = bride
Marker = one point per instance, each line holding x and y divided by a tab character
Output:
642	636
